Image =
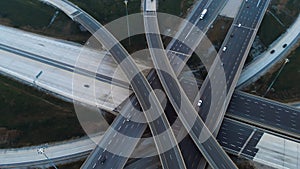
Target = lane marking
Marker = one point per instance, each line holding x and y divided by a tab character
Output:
258	3
179	53
247	141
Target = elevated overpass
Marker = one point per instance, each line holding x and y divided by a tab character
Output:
152	82
210	148
233	54
251	27
41	55
267	114
44	42
149	102
214	7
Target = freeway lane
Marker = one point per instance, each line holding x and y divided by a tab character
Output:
265	113
192	156
232	58
233	54
243	139
211	150
142	89
184	44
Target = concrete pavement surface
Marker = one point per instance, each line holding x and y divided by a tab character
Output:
231	9
26	60
58	153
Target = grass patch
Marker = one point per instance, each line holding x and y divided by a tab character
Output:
37	117
219	30
108	10
35	16
269	30
174	7
286	10
170	6
23	13
74	165
290	75
286	88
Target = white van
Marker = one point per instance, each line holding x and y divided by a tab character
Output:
203	13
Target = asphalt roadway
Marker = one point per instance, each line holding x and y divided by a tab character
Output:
237	105
90	24
267	114
216	91
151	77
210	148
237	43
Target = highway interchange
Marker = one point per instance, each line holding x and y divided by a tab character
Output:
219	138
150	76
194	129
117	50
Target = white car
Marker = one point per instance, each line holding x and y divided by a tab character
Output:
41	151
239	25
128	118
224	48
199	103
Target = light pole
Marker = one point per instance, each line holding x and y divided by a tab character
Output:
126	2
42	151
285	62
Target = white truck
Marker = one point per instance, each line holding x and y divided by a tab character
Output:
203	13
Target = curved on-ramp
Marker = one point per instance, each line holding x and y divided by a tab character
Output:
266	60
